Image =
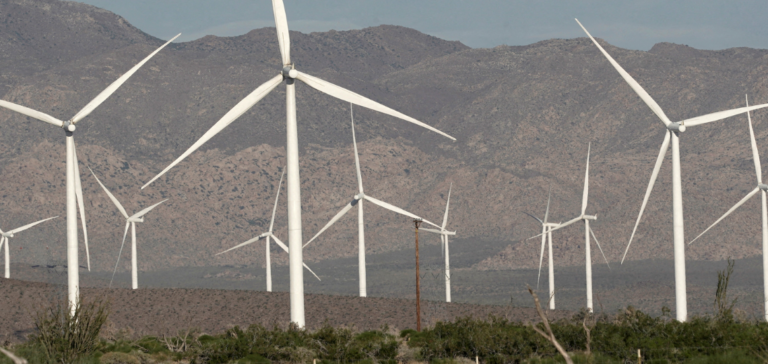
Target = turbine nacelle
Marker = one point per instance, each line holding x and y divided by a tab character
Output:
68	126
589	217
289	72
763	187
676	126
136	219
8	235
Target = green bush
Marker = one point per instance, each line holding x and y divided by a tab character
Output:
119	358
67	337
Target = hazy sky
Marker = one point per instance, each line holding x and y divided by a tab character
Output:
704	24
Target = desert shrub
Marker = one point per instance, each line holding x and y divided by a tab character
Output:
341	345
68	337
273	344
150	345
496	340
119	358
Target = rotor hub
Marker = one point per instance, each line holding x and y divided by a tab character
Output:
289	72
676	126
69	127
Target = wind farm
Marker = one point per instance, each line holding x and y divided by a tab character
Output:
474	136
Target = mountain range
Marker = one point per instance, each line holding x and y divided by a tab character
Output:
522	116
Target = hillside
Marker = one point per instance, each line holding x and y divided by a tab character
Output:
522	115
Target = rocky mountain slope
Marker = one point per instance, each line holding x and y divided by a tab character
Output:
522	115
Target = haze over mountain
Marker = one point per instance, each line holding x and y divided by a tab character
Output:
522	115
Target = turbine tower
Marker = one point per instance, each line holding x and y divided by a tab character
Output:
546	236
672	133
289	74
129	221
74	187
358	200
269	235
5	239
761	187
444	241
587	232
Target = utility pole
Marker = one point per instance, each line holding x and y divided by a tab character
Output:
416	223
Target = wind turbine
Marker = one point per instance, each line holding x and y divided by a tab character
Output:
672	132
444	240
269	235
289	74
358	200
761	187
6	239
129	221
587	232
74	187
546	235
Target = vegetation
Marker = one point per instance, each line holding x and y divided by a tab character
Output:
723	337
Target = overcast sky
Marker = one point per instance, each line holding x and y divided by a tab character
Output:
703	24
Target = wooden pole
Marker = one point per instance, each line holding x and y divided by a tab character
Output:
418	283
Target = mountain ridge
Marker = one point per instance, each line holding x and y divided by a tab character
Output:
522	116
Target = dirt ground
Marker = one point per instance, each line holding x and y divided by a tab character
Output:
167	310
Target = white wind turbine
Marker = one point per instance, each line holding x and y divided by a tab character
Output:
289	74
672	132
546	235
761	187
587	232
358	200
269	235
129	221
444	241
6	240
74	188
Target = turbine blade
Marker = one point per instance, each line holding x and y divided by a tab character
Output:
253	240
227	119
81	206
434	231
25	227
115	85
141	213
447	204
127	224
732	209
549	199
111	196
280	243
349	96
585	196
654	174
274	209
357	157
32	113
631	81
755	154
537	219
720	115
598	246
333	220
310	271
567	223
397	210
281	24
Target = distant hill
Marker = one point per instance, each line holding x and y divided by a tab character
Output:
522	115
